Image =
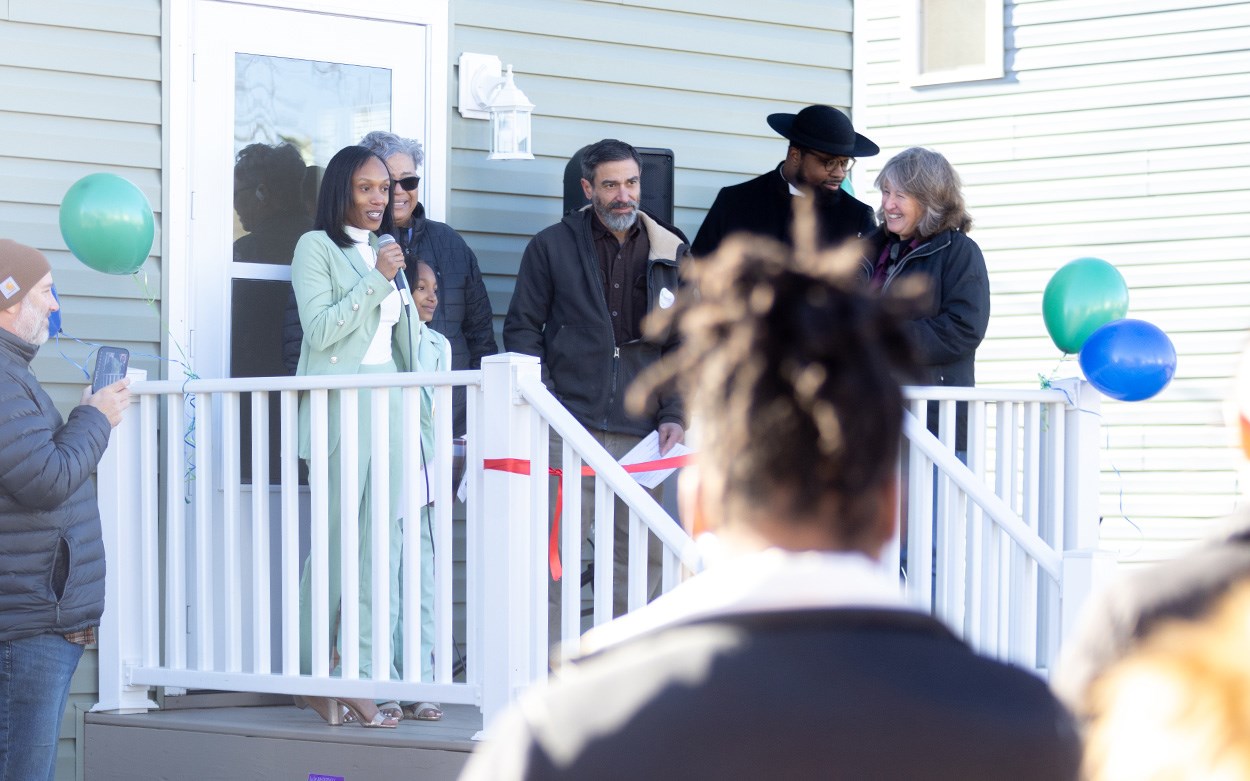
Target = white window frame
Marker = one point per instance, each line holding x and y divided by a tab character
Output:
177	74
911	38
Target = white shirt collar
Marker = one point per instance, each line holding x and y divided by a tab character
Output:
771	580
793	190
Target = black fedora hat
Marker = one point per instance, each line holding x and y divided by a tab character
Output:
824	129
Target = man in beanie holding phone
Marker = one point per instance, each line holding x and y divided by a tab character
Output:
822	152
51	548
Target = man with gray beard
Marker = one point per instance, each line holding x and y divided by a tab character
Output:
583	288
51	545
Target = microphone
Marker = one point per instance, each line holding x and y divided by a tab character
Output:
401	282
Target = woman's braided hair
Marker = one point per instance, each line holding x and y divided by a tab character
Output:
791	375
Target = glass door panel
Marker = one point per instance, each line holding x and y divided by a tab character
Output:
290	117
277	94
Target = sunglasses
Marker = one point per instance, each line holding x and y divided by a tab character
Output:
408	183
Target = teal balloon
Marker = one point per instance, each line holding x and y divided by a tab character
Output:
107	223
1080	298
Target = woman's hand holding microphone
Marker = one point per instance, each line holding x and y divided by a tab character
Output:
390	257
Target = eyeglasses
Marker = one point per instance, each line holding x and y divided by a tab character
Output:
408	183
831	164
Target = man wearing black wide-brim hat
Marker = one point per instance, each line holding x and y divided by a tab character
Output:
823	148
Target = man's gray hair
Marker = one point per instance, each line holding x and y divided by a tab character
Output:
609	150
928	177
385	144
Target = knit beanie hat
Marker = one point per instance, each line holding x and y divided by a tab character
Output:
21	268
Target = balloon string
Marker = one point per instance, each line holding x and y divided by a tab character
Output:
1071	402
1141	535
1046	380
189	433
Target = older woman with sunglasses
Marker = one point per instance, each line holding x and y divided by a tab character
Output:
464	314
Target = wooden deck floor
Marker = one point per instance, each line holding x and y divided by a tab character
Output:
272	742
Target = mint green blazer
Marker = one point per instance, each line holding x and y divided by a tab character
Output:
339	300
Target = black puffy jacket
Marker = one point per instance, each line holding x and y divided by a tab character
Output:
51	548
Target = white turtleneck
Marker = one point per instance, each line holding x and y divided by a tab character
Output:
380	348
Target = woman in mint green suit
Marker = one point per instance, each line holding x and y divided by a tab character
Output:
355	321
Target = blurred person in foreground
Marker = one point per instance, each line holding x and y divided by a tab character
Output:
793	654
1186	587
51	544
1177	706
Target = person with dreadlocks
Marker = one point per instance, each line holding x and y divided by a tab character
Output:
792	655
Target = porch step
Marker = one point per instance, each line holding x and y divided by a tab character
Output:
242	744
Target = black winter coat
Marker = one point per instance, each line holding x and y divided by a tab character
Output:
953	316
464	313
51	546
559	314
763	206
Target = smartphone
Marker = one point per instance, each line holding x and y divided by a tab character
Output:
110	366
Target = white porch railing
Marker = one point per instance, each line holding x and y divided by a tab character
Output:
1004	547
204	570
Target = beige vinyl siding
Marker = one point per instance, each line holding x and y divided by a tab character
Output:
80	93
1119	132
698	77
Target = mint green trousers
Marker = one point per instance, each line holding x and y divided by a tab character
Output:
363	501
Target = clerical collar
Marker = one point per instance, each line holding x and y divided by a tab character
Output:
793	190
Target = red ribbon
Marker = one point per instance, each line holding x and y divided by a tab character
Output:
521	466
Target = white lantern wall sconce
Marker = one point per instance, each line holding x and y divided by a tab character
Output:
487	92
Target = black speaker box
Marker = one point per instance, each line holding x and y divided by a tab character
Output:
657	182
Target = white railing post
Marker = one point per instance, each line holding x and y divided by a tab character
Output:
507	620
118	490
1086	569
1082	427
1085	573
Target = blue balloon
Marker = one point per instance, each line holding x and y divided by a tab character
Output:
1129	359
54	318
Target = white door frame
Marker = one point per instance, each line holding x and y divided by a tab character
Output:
178	121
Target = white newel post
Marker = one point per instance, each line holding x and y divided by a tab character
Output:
121	628
1082	427
1086	568
507	619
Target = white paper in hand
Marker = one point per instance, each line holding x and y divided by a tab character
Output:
649	450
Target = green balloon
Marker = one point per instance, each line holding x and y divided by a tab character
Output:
107	223
1081	297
